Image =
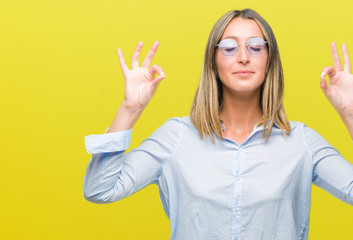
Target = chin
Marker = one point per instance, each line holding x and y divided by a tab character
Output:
243	92
243	87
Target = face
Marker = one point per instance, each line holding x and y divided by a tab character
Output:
242	73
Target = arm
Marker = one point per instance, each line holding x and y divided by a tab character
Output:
331	171
340	89
111	175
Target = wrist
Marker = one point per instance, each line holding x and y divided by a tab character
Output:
130	109
346	114
347	118
348	122
125	118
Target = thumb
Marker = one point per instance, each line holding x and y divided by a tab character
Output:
330	71
327	89
158	79
156	69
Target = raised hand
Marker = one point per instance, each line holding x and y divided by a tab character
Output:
140	84
339	91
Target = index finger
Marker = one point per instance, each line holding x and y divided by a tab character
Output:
123	66
135	56
336	57
148	59
346	62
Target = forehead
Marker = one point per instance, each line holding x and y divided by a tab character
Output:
240	28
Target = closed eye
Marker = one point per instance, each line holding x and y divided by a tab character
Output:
230	49
256	48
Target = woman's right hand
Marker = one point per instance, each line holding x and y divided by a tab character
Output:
140	84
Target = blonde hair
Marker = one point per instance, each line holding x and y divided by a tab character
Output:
208	99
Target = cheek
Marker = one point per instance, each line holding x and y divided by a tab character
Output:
265	60
222	64
263	63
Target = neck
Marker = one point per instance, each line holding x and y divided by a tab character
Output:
240	112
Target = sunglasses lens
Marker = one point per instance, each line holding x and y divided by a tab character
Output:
228	47
256	46
228	51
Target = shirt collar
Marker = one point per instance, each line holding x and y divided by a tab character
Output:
257	127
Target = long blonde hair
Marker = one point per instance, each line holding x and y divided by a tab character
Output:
208	99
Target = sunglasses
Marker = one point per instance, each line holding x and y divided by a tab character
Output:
229	47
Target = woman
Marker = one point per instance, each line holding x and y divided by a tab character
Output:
236	169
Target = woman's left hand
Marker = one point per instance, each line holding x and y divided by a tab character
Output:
339	91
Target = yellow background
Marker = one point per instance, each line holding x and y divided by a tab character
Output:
61	80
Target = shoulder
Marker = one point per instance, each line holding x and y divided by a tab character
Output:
179	127
298	127
173	127
295	125
311	137
178	122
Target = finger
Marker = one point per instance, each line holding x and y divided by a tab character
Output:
346	61
135	56
323	82
326	89
158	79
330	71
156	69
336	57
123	66
148	59
323	85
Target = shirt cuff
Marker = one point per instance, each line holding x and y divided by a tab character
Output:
108	142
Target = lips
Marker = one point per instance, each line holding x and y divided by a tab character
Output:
243	73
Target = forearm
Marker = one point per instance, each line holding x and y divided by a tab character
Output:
348	122
125	118
112	175
99	181
105	166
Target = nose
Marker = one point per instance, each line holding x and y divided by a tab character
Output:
243	55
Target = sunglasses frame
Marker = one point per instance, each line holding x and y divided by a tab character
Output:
219	45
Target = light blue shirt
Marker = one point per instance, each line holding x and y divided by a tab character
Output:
259	190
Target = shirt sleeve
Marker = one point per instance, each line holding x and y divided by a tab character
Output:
331	171
112	175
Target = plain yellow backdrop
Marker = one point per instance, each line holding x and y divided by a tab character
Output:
61	80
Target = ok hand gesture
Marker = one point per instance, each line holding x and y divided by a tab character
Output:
340	89
140	84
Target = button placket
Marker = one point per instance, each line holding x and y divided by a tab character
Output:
236	195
